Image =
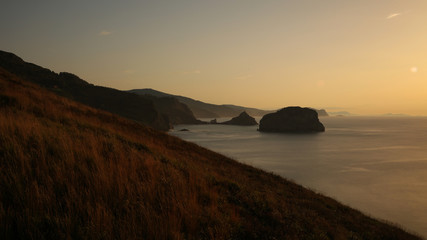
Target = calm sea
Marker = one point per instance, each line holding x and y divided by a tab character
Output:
375	164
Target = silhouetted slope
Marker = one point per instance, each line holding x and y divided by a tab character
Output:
205	110
68	171
123	103
177	112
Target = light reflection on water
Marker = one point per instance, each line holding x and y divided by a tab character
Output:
375	164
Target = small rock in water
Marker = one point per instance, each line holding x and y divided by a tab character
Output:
243	120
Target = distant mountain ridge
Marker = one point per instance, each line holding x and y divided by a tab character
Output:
158	113
205	110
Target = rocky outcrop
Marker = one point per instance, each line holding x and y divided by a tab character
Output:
293	120
243	120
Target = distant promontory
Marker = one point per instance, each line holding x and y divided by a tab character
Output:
292	120
321	112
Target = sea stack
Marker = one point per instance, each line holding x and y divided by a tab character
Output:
292	120
243	120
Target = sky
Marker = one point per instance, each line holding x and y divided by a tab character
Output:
361	56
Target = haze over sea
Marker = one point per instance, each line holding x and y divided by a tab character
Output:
375	164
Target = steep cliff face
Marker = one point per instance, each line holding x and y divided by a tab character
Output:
292	119
243	120
177	112
69	85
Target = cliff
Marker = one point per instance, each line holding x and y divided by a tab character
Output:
177	112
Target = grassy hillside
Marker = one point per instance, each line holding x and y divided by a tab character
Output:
68	171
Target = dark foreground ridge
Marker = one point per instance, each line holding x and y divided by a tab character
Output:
159	113
69	171
292	120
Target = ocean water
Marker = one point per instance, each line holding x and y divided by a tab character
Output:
375	164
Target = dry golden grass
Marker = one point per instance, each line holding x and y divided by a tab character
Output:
68	171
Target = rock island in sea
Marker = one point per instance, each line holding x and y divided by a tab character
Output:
292	120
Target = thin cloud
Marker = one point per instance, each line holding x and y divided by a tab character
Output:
393	15
105	33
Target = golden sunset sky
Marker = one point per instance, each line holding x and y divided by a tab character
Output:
361	56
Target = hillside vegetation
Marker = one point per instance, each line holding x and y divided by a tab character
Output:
68	171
